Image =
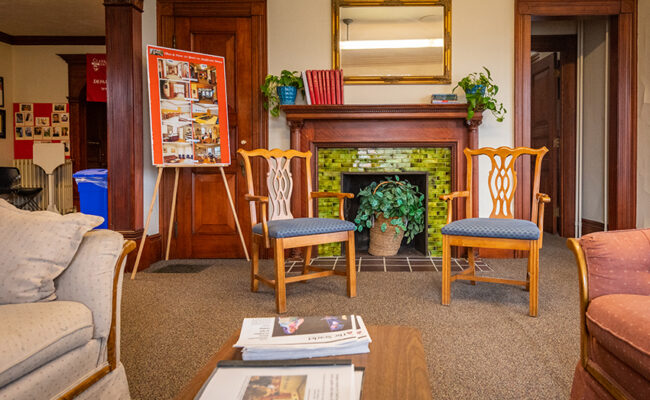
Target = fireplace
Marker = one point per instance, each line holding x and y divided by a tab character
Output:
353	182
385	138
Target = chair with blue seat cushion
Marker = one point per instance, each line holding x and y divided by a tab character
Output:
501	230
278	229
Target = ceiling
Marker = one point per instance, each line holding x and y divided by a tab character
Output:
52	18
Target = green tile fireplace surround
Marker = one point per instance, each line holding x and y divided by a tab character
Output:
434	160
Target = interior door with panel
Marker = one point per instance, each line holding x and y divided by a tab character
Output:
205	226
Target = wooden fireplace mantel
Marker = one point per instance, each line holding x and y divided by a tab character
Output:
386	125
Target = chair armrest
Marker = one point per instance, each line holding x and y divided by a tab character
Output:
543	198
258	199
449	197
320	195
340	196
575	247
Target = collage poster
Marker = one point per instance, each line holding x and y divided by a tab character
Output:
40	122
188	108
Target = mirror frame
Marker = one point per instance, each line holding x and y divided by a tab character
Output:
443	79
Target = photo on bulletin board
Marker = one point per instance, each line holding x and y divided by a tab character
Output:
188	108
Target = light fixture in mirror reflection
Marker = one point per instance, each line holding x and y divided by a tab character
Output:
387	42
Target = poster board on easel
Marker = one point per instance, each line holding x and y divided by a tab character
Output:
188	112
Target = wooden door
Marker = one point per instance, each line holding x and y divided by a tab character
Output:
205	226
545	131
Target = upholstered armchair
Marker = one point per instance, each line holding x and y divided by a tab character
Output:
614	281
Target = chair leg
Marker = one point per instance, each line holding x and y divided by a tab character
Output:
530	266
351	265
255	264
280	288
472	262
307	257
534	277
446	271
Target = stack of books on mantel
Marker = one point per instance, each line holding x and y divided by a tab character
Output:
323	86
288	338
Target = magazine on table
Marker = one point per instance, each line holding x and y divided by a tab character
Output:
282	380
302	337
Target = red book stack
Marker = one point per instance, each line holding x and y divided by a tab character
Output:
323	86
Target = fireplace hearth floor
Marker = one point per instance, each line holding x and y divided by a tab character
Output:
389	264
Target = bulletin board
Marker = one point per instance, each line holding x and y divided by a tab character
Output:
188	108
40	122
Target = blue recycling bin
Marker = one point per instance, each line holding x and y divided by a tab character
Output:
93	193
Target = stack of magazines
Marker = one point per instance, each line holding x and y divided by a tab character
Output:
287	338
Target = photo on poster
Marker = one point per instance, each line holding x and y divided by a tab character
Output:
38	133
28	107
56	132
28	119
47	131
19	119
66	146
28	132
65	131
56	119
187	125
19	133
42	121
58	107
64	118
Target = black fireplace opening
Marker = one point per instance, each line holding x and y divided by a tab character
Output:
353	182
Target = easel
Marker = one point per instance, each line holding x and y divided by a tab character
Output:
173	211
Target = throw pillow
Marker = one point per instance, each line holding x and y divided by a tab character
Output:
35	248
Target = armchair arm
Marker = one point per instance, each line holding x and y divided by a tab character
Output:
340	196
263	201
574	245
542	199
449	197
258	199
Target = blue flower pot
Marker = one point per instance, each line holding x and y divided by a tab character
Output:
287	94
476	89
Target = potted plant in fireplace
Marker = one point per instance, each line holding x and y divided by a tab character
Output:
391	209
481	92
281	90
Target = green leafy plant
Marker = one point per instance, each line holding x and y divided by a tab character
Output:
481	92
399	201
272	82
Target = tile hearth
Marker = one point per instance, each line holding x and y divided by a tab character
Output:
389	264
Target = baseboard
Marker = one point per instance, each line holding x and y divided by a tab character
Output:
589	226
151	253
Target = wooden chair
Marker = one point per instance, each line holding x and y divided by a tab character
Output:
280	230
501	230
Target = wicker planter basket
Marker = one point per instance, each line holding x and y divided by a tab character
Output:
384	243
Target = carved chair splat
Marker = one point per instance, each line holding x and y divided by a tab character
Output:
278	229
501	230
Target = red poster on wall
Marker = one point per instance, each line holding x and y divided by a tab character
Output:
188	108
96	77
40	122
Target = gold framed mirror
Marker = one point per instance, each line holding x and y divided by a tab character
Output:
392	41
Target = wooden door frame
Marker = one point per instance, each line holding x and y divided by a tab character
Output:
166	11
567	46
622	135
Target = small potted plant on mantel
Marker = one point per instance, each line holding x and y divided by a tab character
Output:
281	90
481	92
391	209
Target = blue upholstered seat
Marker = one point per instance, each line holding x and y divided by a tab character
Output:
493	228
285	228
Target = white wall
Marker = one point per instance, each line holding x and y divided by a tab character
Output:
594	129
149	172
471	49
643	127
7	145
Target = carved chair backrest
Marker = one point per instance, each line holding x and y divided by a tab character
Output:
279	180
502	178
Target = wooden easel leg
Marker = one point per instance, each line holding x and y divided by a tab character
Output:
351	265
280	287
146	225
234	213
171	218
446	271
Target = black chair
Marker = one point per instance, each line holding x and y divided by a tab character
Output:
13	192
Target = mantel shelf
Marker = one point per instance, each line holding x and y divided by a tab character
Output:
379	111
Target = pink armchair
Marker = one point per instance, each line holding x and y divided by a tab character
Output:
614	279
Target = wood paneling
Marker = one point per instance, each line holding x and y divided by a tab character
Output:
124	113
589	226
622	134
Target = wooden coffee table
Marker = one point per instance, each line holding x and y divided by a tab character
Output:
395	368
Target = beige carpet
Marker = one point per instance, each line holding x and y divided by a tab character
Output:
483	346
